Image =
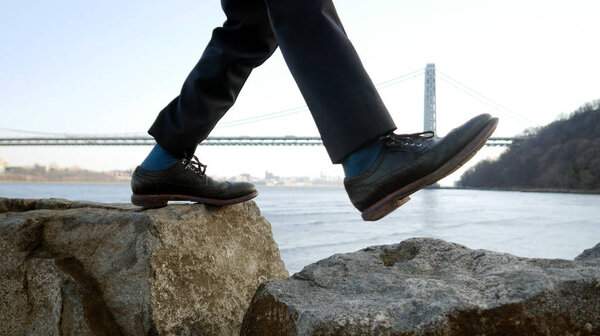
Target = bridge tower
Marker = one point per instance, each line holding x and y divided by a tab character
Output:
429	123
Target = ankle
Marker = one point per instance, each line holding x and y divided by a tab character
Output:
362	158
159	159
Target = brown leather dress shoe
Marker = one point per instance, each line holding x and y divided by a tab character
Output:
410	162
186	181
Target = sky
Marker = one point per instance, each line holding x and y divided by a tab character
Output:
106	67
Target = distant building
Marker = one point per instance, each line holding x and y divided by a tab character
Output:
120	175
52	167
242	178
2	166
39	168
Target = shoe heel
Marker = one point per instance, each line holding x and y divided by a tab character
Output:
383	208
148	201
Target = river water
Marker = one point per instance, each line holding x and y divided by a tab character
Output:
313	223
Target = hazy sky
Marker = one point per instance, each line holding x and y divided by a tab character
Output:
110	66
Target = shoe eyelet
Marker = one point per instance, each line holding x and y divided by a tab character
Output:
419	145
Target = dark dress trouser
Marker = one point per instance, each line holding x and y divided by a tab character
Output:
340	95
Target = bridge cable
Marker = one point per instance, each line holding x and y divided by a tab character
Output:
483	99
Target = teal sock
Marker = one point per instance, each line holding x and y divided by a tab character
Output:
159	159
362	158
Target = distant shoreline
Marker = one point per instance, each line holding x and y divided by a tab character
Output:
67	182
258	185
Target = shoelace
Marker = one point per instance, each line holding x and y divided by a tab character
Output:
412	139
195	165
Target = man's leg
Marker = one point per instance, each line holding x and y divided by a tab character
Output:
171	172
340	95
244	42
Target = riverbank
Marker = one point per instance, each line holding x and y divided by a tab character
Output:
124	182
54	174
533	190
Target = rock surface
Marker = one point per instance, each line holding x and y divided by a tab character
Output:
431	287
77	268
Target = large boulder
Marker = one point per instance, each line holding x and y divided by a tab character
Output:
431	287
77	268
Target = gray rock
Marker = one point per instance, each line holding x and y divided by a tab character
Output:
592	255
80	268
431	287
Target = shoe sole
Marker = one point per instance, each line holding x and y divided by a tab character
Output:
396	199
155	201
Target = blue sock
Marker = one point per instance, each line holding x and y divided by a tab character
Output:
362	158
159	159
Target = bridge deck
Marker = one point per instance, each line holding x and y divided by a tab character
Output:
210	141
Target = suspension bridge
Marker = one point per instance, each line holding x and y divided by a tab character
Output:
429	123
